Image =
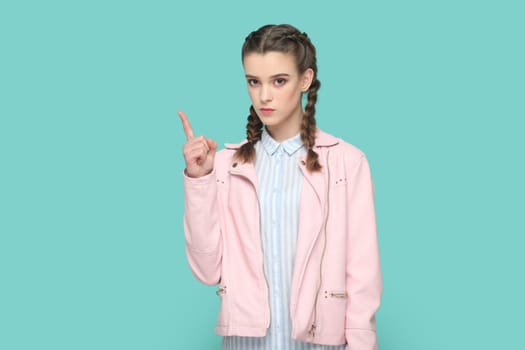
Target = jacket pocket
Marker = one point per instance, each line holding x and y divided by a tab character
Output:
224	312
334	314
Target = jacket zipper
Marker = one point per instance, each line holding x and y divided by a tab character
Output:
316	301
262	245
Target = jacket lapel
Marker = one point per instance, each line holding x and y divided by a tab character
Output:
313	210
312	203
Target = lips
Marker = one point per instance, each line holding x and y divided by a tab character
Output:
267	111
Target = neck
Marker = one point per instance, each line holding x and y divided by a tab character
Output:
289	128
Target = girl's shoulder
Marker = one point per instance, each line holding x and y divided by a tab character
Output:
337	145
224	157
345	157
229	150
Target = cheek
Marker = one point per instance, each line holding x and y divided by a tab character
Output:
253	94
290	95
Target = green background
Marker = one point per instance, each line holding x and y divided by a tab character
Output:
91	243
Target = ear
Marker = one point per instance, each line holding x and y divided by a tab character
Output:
306	79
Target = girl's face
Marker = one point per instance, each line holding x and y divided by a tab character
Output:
275	87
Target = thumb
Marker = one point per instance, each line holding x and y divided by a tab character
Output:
212	144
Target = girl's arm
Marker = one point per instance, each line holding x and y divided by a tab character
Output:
202	228
363	274
201	222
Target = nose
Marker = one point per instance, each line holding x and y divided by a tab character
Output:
265	94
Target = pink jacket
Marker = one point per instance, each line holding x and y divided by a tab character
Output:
336	283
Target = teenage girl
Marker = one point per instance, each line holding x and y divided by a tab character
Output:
284	222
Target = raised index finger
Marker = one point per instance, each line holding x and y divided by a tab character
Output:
186	125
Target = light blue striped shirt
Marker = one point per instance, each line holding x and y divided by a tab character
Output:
279	185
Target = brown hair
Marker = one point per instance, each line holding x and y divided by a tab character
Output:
286	39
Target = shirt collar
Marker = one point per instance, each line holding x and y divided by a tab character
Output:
322	139
290	145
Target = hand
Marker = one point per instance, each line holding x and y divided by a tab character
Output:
199	152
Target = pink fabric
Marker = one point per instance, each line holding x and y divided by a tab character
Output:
336	283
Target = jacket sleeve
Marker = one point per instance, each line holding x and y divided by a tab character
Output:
363	274
202	227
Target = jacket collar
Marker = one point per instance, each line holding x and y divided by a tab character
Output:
322	139
316	179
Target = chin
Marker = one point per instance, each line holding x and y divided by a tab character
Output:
265	120
269	121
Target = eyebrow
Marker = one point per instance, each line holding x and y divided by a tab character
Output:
273	76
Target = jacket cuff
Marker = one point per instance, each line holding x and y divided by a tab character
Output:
360	339
198	181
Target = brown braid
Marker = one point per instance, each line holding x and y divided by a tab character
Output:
308	127
287	39
253	133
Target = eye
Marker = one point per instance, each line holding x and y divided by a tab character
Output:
253	82
280	81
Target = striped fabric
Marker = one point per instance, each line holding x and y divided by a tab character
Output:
279	184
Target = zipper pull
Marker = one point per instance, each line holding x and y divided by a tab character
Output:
341	295
221	291
312	331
